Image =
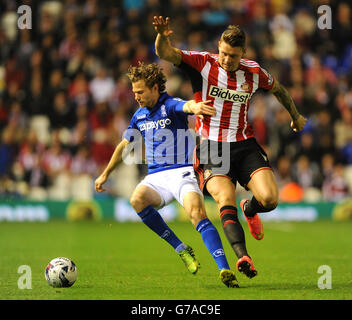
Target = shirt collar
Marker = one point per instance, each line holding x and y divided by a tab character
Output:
161	100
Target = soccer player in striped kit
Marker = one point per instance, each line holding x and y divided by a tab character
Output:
229	81
161	121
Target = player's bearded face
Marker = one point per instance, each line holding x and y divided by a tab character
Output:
229	57
146	97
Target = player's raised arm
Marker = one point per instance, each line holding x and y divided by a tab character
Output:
199	108
115	159
163	47
298	121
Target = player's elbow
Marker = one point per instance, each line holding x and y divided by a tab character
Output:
171	55
159	53
165	56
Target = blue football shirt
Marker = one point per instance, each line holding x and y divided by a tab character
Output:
169	143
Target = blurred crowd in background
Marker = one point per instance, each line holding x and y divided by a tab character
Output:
65	100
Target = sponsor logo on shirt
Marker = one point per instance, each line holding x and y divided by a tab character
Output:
228	95
270	78
160	124
190	52
143	116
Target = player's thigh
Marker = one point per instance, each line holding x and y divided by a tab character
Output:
223	190
193	203
264	187
144	196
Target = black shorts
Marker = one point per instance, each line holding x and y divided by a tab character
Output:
236	160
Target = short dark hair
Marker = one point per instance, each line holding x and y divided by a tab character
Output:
234	36
151	73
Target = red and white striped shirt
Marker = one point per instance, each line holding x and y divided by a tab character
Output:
229	91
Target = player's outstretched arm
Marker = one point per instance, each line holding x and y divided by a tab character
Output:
298	121
115	159
199	108
163	47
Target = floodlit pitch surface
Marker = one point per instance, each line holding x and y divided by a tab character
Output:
126	261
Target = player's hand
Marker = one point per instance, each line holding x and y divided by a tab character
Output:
298	124
99	183
162	26
203	108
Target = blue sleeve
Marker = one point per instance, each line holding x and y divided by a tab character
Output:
176	107
179	106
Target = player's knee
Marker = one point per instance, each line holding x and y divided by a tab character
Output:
269	201
223	196
138	202
196	214
224	200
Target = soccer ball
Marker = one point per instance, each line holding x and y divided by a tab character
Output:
61	272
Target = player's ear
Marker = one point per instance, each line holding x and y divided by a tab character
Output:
155	88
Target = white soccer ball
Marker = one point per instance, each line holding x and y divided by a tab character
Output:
61	272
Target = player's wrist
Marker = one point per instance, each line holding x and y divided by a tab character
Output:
187	107
192	106
106	173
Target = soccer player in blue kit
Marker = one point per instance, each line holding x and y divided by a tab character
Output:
162	121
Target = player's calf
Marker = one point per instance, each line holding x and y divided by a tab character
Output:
213	243
233	230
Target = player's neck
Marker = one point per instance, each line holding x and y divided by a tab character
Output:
232	69
154	102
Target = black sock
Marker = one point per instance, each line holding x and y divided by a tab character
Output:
252	207
233	230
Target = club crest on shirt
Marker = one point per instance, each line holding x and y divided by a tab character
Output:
245	86
163	111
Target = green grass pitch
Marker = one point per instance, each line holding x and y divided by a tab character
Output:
126	261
